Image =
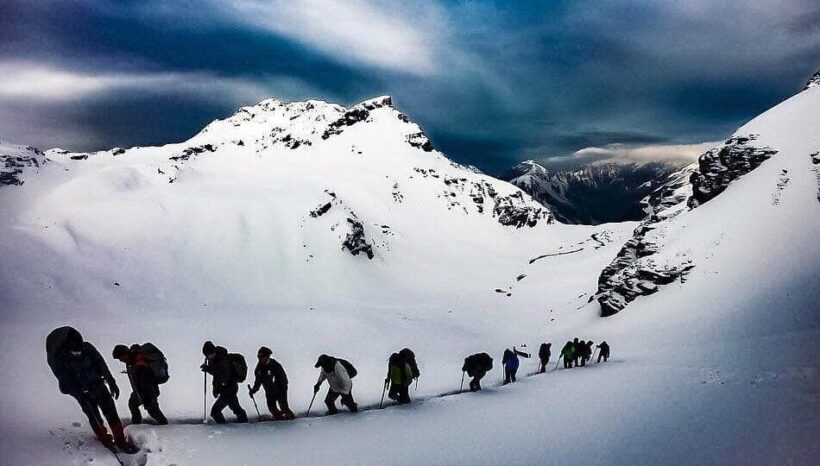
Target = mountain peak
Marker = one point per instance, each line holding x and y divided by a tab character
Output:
814	81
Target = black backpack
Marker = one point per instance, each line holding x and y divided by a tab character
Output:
239	366
156	361
351	371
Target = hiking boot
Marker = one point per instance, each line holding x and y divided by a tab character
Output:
127	447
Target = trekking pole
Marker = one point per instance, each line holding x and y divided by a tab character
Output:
384	389
462	382
593	355
557	361
254	403
311	404
417	384
205	396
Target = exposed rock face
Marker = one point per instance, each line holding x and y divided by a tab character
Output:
192	151
15	159
356	242
722	165
512	211
635	272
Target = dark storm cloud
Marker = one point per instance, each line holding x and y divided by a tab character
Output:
491	82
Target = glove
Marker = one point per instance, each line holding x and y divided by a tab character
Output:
316	388
204	367
115	390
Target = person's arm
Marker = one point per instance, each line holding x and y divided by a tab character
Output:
98	361
279	373
257	381
520	353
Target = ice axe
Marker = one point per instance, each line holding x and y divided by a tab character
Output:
250	392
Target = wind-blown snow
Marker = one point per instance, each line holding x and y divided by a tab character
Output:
720	369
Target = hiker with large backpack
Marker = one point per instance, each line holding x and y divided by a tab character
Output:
147	369
587	353
604	351
271	375
410	357
510	362
576	351
477	366
83	374
568	353
228	370
544	353
399	376
339	374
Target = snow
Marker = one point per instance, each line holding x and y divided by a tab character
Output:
720	369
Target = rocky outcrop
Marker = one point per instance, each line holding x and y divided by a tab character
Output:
14	162
636	271
511	210
356	242
420	141
356	114
814	81
722	165
192	151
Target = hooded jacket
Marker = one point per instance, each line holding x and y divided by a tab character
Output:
85	375
221	368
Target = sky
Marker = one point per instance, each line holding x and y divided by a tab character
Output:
491	82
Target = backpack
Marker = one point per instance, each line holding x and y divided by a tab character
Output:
156	361
351	371
239	366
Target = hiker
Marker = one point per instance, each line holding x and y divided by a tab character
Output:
588	351
477	366
604	351
227	371
82	373
582	353
576	353
568	353
339	374
544	353
399	376
144	382
270	374
510	362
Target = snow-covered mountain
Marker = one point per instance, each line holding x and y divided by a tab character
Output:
313	228
594	193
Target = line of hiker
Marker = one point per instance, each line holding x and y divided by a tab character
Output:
83	374
579	352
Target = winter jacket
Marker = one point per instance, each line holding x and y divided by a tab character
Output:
221	368
270	375
510	359
604	348
338	379
568	351
84	375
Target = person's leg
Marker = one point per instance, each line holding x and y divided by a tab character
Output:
152	406
404	394
270	400
393	392
238	411
216	410
512	374
282	399
507	375
583	361
92	412
330	401
109	410
348	401
134	406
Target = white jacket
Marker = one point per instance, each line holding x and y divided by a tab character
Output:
339	379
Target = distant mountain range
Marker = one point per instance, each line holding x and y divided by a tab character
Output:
594	193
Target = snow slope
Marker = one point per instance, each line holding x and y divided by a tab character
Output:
720	369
